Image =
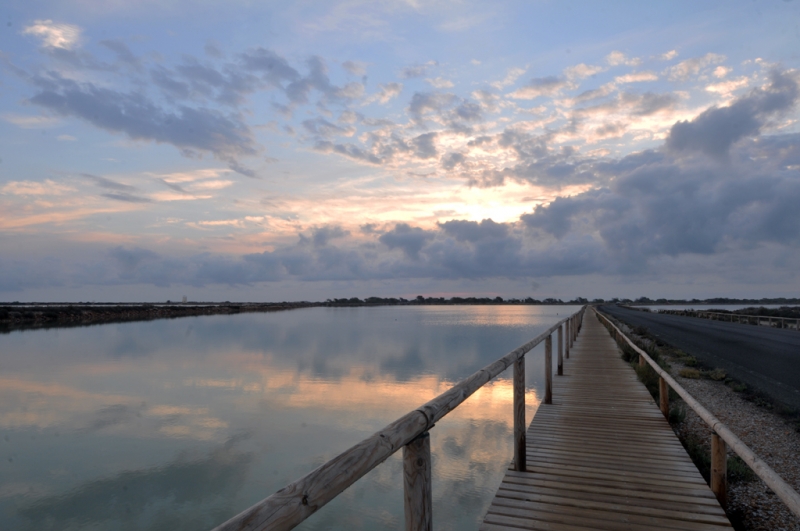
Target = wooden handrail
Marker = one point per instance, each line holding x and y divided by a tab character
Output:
297	501
784	491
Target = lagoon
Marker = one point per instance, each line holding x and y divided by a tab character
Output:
182	423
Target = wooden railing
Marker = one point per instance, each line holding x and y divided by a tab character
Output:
720	436
759	320
297	501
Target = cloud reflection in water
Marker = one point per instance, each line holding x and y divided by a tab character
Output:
82	421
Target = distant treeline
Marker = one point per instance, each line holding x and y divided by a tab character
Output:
440	301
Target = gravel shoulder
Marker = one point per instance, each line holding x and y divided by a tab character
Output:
752	506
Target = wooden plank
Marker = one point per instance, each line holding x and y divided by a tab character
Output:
602	455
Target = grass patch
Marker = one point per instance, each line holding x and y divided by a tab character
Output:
694	374
717	374
701	456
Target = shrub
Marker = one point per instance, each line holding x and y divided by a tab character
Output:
690	373
717	374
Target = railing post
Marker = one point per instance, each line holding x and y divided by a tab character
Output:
566	337
663	396
520	462
560	351
548	369
719	469
417	484
642	361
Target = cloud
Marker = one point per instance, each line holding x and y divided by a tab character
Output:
407	238
636	77
322	235
659	205
357	68
440	83
714	130
54	35
670	55
423	103
540	86
692	67
424	147
472	231
582	71
511	77
617	58
35	188
417	70
191	130
386	92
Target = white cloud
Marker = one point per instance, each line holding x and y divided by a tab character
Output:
48	187
692	67
66	138
617	58
722	71
637	77
386	92
440	82
669	56
511	76
54	35
582	71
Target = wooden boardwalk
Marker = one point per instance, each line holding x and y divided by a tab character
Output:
602	456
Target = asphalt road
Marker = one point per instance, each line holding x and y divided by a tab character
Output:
767	359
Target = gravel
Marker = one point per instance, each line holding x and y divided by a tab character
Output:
752	503
752	506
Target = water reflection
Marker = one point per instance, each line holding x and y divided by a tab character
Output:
182	423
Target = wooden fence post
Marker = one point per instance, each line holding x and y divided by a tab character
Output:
719	469
548	369
566	337
520	464
417	485
560	351
663	396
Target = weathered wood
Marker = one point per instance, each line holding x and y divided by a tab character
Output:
603	457
719	469
418	494
566	337
548	370
519	416
663	397
782	489
560	351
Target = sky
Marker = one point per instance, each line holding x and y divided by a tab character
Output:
270	151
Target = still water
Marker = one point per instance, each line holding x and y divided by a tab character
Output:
180	424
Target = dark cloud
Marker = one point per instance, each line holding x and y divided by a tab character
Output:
451	160
660	205
715	130
425	102
424	147
407	238
103	182
322	235
473	231
324	128
272	67
126	197
121	50
191	130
